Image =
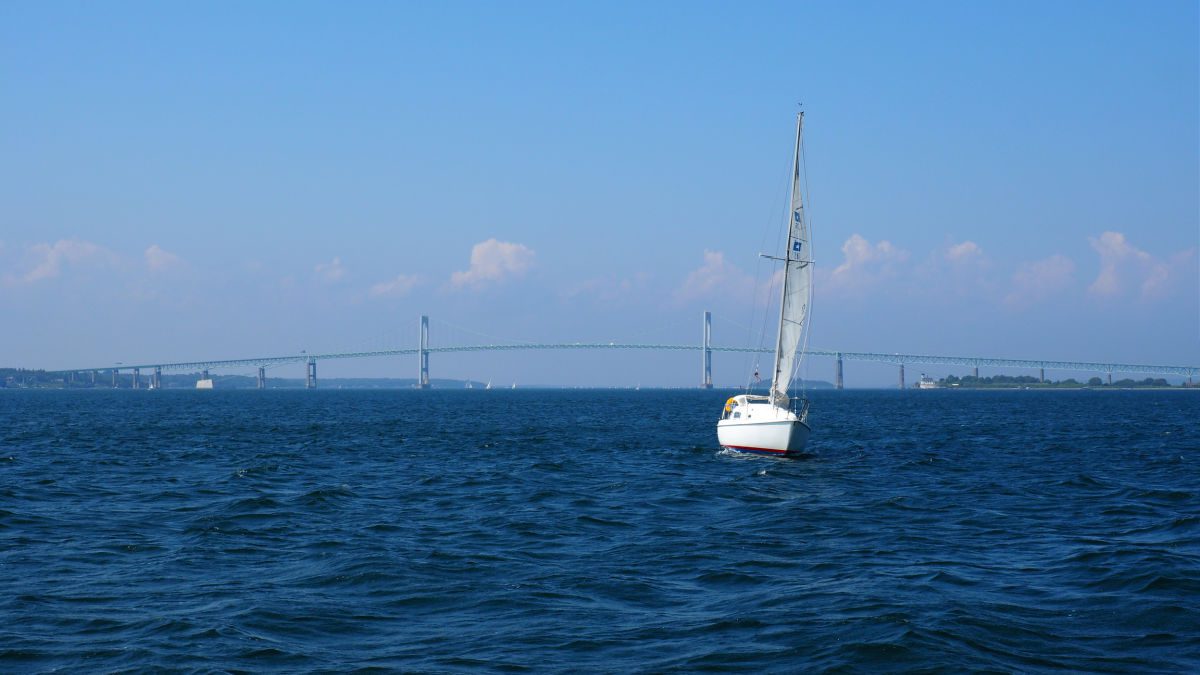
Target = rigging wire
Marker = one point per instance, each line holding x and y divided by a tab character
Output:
763	295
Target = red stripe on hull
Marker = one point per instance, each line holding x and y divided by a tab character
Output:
760	451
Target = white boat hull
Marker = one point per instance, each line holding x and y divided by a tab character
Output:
767	437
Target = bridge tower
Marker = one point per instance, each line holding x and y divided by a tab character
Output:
310	378
156	381
901	375
116	381
261	383
423	354
837	373
707	381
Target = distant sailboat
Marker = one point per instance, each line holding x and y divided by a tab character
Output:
777	424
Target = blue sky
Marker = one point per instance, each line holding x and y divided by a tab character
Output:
1013	179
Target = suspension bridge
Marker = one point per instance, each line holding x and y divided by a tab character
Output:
424	349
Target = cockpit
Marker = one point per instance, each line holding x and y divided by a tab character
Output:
739	406
731	409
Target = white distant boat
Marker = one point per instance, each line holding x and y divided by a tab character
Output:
514	386
777	424
489	385
205	383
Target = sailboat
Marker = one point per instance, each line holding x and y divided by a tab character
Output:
777	424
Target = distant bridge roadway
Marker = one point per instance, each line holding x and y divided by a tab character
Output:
878	357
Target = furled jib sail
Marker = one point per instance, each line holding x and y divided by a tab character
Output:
797	286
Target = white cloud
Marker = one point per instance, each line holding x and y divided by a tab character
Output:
965	253
400	286
494	261
717	276
49	259
158	260
1038	280
331	271
864	263
1123	266
955	271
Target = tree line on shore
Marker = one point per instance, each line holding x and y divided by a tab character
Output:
1009	381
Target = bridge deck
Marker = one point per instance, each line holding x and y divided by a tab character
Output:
895	359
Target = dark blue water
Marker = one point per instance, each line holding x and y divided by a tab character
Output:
563	531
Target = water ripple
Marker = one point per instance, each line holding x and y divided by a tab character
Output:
563	531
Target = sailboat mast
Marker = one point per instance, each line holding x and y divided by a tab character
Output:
780	381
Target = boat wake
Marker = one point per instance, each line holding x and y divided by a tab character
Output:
737	454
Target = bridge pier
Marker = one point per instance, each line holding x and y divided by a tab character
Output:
310	379
137	378
901	375
156	381
975	372
707	381
115	381
837	373
423	354
1110	378
1042	375
262	378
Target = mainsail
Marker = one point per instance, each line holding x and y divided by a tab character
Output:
797	285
